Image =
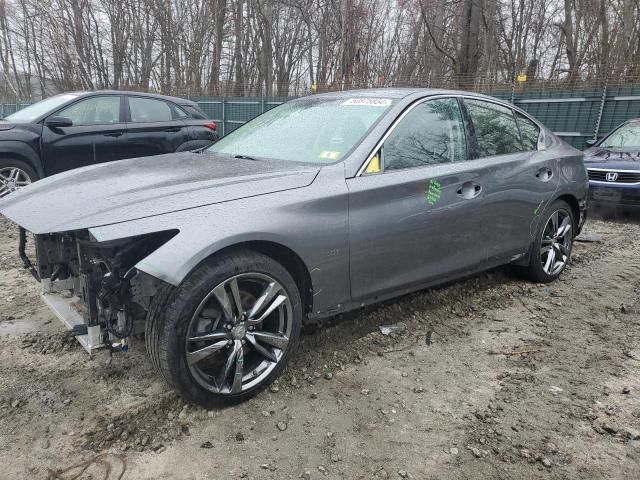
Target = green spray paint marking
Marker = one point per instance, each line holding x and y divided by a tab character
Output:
433	193
535	212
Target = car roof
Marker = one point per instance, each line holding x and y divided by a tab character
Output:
397	93
178	100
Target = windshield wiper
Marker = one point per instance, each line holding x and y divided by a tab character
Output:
244	157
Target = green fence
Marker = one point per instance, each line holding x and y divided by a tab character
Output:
575	115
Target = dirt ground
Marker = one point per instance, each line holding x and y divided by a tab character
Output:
491	377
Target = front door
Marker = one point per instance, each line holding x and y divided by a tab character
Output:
155	127
415	218
97	135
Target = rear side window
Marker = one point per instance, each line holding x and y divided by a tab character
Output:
431	133
495	128
147	110
529	132
194	112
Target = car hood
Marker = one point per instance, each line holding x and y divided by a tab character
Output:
613	158
132	189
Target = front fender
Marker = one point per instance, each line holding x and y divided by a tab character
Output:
311	221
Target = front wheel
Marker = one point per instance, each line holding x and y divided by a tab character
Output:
228	331
552	248
15	174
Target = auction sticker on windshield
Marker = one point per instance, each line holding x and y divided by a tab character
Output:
368	102
329	155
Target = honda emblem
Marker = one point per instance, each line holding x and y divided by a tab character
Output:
612	176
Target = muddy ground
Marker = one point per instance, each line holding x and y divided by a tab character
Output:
492	377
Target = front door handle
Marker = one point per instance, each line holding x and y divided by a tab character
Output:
469	190
119	133
544	174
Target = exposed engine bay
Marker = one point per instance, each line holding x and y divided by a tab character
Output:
93	286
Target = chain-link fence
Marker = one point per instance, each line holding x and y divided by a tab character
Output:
576	110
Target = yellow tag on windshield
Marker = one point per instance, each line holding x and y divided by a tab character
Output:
329	155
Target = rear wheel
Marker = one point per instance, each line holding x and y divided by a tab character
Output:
554	241
15	174
227	332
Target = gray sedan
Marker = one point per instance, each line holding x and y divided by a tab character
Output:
320	206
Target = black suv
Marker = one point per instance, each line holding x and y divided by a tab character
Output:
75	129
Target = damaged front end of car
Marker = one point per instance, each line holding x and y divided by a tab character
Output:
94	287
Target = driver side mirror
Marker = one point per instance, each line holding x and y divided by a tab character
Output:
591	142
58	122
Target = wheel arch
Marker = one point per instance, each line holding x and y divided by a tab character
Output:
573	202
15	154
286	257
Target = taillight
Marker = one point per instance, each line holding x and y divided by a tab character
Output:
211	126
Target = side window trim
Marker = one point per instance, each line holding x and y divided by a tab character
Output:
472	144
379	145
473	150
515	119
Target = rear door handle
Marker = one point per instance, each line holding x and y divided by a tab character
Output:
173	129
469	190
119	133
544	174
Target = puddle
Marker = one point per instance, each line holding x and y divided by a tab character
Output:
14	328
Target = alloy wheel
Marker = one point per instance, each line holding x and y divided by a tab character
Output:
239	333
556	242
11	179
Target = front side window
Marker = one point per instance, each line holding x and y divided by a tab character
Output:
495	128
311	130
625	136
529	132
149	110
93	111
431	133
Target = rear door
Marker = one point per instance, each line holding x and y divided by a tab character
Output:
97	134
154	126
414	212
520	179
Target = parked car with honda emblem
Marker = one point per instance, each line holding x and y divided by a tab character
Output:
78	129
613	165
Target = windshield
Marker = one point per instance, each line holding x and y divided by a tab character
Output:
311	130
626	136
32	112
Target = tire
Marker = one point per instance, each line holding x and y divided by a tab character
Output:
540	269
205	371
15	174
